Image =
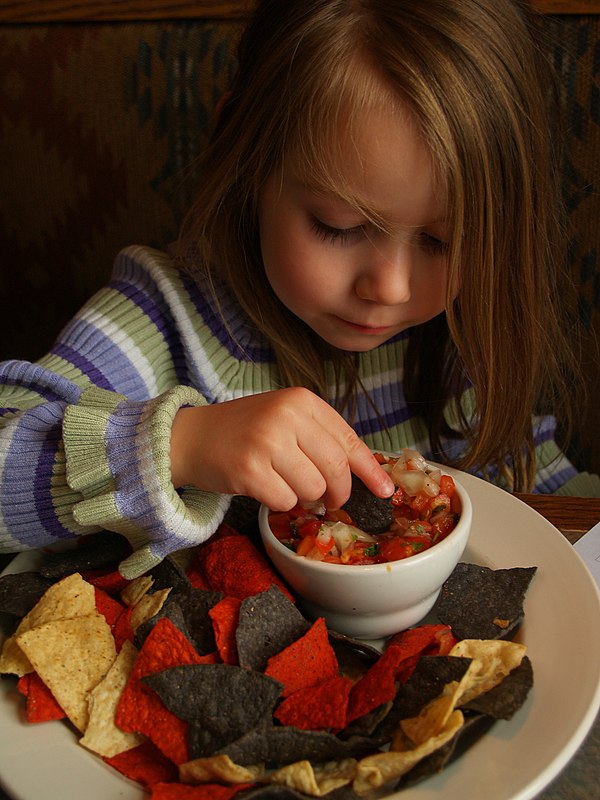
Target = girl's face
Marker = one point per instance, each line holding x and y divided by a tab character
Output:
354	283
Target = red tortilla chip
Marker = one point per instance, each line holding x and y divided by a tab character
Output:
234	566
110	609
122	629
41	705
377	686
140	710
225	615
308	660
112	582
426	639
206	791
319	707
144	764
196	577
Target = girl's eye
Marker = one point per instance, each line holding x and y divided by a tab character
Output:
335	235
433	245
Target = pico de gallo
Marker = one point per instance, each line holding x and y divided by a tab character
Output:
425	509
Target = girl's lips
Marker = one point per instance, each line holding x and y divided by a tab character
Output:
373	330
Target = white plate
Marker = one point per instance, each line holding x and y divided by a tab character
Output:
514	761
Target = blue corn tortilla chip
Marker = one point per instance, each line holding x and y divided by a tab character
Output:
474	727
222	702
368	512
285	745
482	603
20	592
504	700
268	623
95	551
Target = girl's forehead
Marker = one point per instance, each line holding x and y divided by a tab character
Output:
375	160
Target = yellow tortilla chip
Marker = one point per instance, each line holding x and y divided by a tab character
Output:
136	589
494	659
71	656
376	770
434	716
71	597
148	606
102	736
316	780
218	769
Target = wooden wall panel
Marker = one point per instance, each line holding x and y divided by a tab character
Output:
30	11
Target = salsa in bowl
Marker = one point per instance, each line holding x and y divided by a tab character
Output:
377	597
423	510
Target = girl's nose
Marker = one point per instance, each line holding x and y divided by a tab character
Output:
385	278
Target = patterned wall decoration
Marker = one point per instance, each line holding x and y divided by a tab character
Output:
99	126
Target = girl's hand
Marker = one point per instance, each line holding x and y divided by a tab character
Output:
280	447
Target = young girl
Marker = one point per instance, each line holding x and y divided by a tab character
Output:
372	262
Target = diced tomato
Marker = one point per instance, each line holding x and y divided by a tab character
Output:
420	501
447	485
395	549
442	525
324	544
280	524
306	545
309	527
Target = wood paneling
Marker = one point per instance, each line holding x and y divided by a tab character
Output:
25	11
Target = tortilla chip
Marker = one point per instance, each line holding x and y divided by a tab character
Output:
494	660
71	656
376	770
102	736
225	616
308	660
69	598
145	764
147	606
321	706
232	564
91	552
219	769
19	592
41	705
140	710
214	697
504	700
315	780
136	589
268	623
475	599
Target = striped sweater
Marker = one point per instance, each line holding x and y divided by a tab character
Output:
85	431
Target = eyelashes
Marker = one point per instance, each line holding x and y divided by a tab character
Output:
344	236
328	233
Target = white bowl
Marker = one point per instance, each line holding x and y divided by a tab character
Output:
370	601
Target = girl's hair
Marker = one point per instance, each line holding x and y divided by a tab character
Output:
480	90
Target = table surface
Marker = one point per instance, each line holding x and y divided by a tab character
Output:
573	516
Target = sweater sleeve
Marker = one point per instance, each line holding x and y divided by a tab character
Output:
85	432
117	454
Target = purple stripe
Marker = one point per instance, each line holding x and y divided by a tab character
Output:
161	319
249	351
83	364
40	380
27	475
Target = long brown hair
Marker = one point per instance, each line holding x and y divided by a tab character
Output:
477	83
